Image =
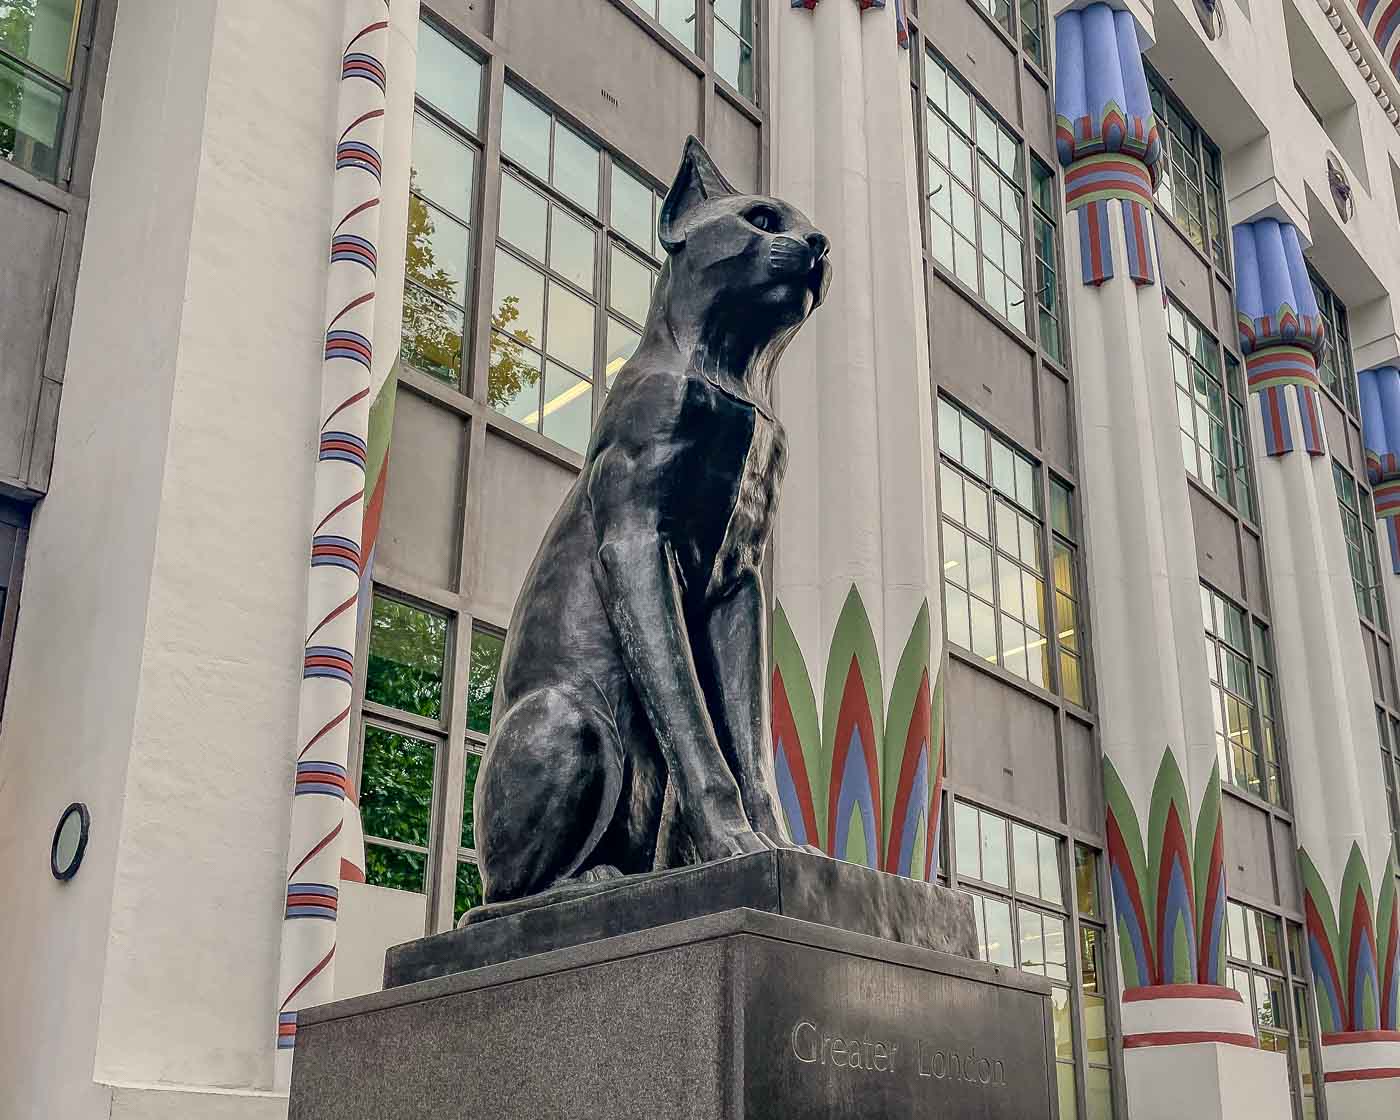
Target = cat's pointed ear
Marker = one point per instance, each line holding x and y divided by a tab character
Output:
697	181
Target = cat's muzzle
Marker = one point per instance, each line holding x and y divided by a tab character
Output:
789	257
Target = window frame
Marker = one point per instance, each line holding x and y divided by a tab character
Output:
1363	557
752	42
1265	716
1189	140
70	89
1336	357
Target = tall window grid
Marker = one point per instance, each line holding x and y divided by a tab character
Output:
976	212
1213	451
407	783
1243	700
576	259
1359	531
1275	990
1390	771
38	45
1013	874
1191	188
1046	204
1064	566
1033	31
1334	367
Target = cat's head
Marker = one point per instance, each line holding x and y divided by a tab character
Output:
733	254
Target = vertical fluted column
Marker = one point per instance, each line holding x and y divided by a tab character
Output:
1344	843
1165	835
857	649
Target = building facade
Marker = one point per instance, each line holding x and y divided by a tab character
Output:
1085	574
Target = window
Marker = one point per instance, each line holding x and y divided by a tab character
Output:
1239	425
442	180
1247	735
1023	921
1334	366
1000	11
482	671
406	779
1274	990
993	589
14	537
676	16
976	219
1191	189
38	42
1033	30
1359	529
1209	451
554	255
733	43
1045	196
1064	568
404	678
1390	742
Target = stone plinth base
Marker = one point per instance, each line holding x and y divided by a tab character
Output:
743	1014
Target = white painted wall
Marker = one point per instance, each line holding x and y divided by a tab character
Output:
155	670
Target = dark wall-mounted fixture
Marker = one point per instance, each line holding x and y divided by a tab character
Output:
69	841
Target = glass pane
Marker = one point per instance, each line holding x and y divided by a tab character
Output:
998	944
992	830
31	121
1064	1081
631	208
396	786
1027	860
1032	942
984	634
407	650
1086	880
622	344
1098	1094
481	678
629	285
520	299
1063	1015
431	335
733	59
576	168
678	17
525	132
568	408
436	254
448	77
473	768
390	867
523	215
1050	869
968	844
570	334
469	891
572	247
1056	955
442	168
40	32
513	382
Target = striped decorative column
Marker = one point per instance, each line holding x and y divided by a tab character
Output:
1344	852
348	383
900	23
1165	838
857	636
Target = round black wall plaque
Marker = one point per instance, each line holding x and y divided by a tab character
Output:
69	841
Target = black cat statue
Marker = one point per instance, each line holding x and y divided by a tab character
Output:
631	719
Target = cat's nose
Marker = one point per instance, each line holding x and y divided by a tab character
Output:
819	245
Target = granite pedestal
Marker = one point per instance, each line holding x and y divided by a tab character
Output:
770	1001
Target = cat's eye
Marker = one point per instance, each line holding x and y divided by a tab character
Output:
765	219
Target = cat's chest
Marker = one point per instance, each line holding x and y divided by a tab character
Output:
755	503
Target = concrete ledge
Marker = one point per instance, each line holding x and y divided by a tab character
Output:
184	1102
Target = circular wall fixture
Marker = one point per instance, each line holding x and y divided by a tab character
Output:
69	841
1341	188
1211	17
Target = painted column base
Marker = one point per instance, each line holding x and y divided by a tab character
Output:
1190	1050
1362	1070
1206	1081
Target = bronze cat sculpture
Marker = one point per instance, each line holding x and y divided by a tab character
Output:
631	706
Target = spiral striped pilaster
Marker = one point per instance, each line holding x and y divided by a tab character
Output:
322	789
